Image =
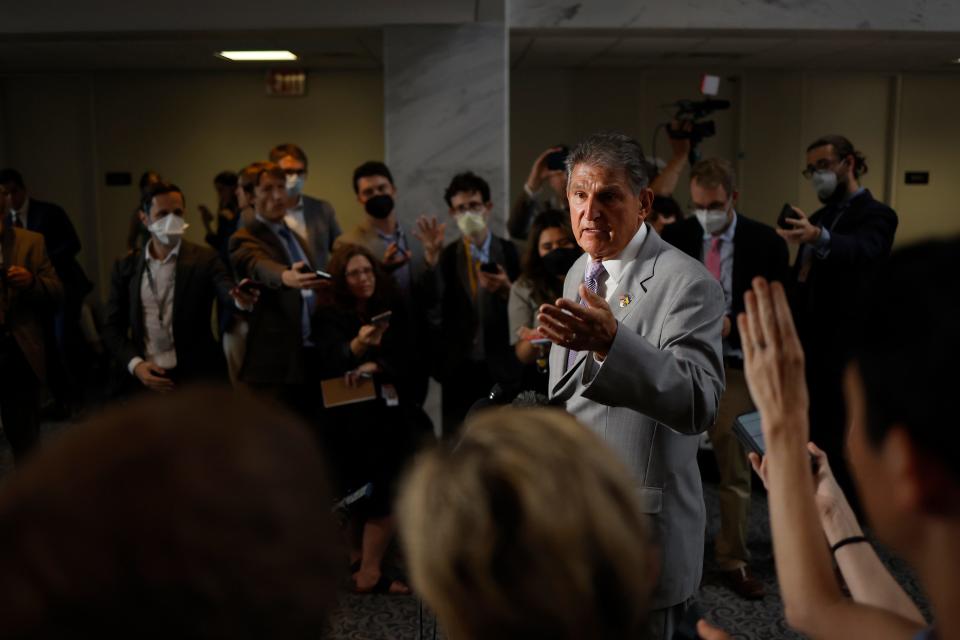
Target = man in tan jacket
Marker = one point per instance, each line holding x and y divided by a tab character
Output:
29	295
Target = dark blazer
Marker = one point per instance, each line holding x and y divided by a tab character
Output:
200	280
861	235
25	311
275	343
335	328
757	251
461	314
322	229
63	245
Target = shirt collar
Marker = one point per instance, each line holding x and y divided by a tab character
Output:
170	256
484	249
275	226
614	266
297	208
24	210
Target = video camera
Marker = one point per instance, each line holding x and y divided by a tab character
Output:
692	111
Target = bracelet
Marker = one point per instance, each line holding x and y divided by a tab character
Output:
846	541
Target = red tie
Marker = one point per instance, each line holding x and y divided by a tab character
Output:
713	257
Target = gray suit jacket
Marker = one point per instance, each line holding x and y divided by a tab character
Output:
659	386
322	229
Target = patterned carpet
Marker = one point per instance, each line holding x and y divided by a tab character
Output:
396	617
399	617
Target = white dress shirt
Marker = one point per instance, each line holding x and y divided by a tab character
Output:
156	297
616	265
24	212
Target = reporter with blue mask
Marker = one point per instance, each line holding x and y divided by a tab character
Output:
314	220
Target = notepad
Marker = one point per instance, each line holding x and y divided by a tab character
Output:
336	392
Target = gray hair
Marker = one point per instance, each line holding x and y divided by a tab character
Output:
613	150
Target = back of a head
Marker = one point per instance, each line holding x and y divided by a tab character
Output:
528	528
200	514
907	346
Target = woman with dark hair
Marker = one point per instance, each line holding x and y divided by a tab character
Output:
551	251
368	442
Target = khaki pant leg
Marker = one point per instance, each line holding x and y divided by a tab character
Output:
731	542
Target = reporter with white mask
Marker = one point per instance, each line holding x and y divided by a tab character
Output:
735	249
158	317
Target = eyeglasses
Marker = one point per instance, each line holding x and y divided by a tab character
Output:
295	172
355	274
822	165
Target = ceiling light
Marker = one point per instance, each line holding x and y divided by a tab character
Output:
257	56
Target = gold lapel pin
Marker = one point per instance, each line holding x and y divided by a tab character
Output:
624	301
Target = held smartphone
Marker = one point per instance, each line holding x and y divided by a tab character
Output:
490	267
381	317
750	434
540	342
249	286
323	275
785	213
558	159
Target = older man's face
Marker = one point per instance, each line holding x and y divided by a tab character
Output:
605	213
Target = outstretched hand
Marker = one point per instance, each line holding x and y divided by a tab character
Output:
773	361
580	328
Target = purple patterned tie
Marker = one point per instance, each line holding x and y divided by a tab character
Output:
591	277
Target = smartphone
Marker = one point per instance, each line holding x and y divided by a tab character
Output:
249	286
323	275
786	213
540	342
558	159
748	432
490	267
381	317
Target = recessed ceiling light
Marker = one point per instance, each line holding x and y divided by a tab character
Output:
256	56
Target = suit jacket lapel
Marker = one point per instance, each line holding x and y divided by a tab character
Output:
136	301
181	281
631	287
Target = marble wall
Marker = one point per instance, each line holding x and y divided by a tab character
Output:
445	109
894	15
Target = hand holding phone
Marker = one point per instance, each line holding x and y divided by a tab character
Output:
381	318
787	213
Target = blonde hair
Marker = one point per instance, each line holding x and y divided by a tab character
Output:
529	527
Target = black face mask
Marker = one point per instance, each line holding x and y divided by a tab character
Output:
559	261
379	206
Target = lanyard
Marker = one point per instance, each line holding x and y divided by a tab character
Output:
161	302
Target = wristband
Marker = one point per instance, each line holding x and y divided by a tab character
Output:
846	541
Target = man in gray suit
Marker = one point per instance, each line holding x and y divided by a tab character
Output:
638	355
312	219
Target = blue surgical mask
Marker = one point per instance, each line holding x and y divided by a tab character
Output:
294	184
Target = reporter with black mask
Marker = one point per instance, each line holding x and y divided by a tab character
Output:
381	233
839	246
550	253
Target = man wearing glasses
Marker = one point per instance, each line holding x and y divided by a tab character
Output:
313	220
839	245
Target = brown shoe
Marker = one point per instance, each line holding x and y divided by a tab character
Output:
743	583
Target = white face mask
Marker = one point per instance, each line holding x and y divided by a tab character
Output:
472	223
712	220
168	229
825	182
294	184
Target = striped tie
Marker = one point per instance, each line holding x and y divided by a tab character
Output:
591	277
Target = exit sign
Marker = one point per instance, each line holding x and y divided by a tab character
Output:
287	83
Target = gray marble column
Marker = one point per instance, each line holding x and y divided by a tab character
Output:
445	106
